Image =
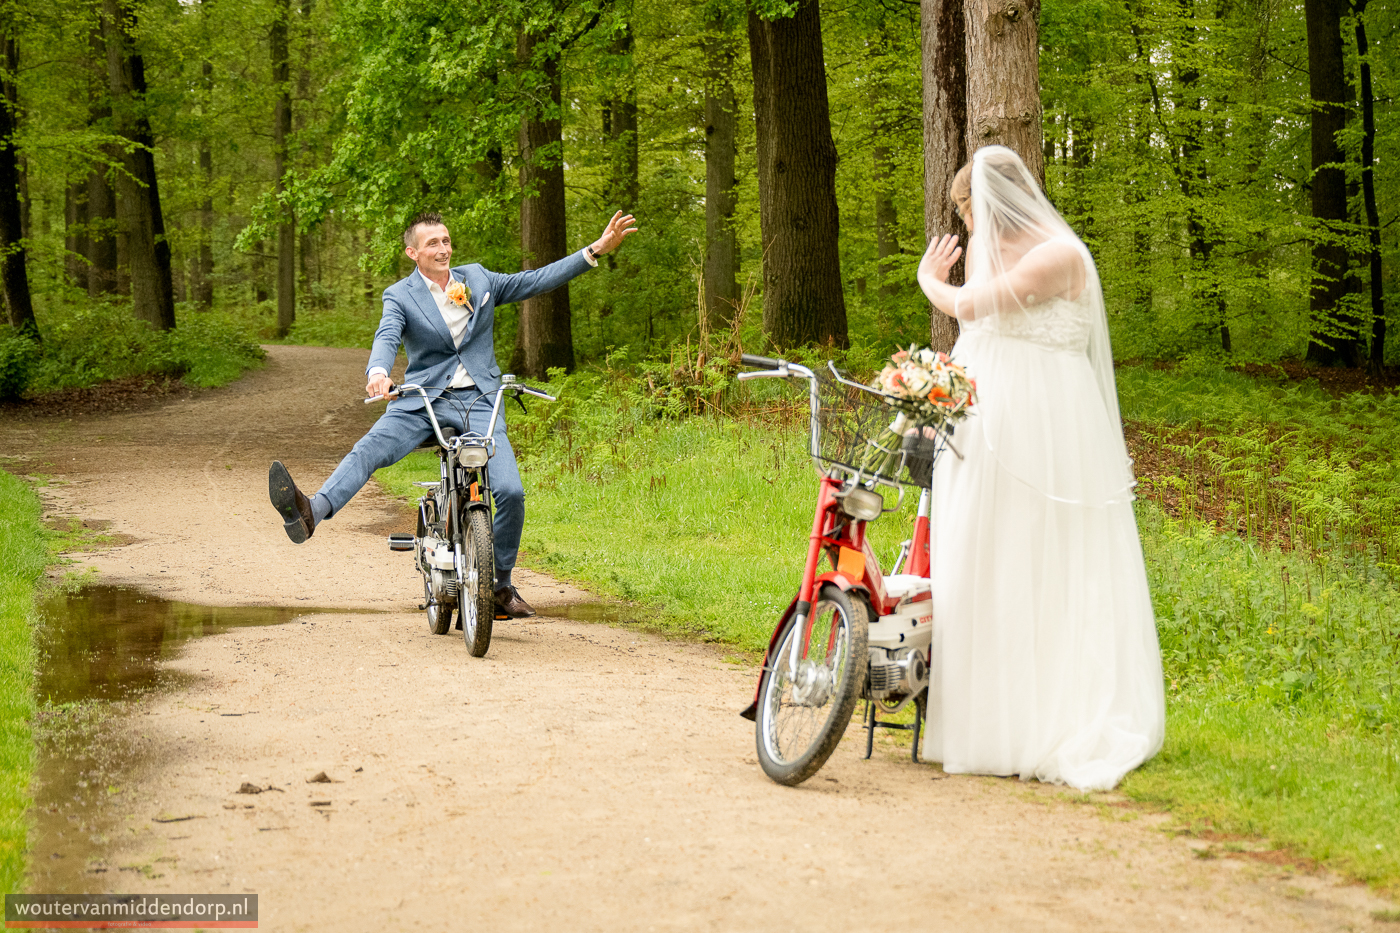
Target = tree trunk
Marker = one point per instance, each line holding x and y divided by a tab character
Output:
943	32
75	238
544	338
1368	190
1191	178
139	214
621	126
103	273
281	129
886	219
202	285
1334	339
798	216
14	267
721	187
1003	79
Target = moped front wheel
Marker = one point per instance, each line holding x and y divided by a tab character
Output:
476	572
804	708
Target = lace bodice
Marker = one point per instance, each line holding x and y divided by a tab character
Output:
1057	324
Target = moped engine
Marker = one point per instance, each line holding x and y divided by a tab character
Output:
436	562
896	672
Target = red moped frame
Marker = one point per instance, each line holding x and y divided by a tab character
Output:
854	567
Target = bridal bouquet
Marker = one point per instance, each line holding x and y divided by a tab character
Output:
931	393
928	387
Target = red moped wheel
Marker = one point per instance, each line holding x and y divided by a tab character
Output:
803	709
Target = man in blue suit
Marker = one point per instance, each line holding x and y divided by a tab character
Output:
443	318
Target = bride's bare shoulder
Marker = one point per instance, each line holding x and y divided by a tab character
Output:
1059	262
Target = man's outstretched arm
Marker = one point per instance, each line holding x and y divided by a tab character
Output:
521	285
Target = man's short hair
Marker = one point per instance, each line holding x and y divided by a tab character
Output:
431	218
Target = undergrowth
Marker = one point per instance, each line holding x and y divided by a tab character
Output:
97	341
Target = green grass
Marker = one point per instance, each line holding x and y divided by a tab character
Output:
1282	667
23	553
1292	776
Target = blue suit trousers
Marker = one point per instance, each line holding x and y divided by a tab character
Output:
398	431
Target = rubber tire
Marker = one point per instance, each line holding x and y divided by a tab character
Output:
439	615
477	545
843	699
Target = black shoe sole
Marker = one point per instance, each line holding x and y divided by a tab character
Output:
283	493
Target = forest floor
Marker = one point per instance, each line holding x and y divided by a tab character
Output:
581	776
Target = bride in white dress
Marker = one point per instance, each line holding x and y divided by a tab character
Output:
1045	659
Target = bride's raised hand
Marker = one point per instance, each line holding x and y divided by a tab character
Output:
939	259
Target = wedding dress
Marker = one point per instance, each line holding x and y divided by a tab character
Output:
1045	659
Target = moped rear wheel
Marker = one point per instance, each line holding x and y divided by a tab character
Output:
476	572
803	711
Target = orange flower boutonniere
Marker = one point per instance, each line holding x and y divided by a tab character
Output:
458	293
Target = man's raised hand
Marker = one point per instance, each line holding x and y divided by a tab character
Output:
619	228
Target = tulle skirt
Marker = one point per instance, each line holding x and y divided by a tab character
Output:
1045	658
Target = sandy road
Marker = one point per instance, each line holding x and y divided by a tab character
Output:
580	777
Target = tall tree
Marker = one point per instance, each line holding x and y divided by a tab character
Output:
721	187
1335	340
1368	190
139	215
943	34
620	126
281	130
14	266
798	215
544	337
1003	78
202	281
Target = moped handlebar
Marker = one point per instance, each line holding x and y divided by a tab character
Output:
763	362
508	384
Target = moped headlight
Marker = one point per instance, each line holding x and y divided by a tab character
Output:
863	505
472	456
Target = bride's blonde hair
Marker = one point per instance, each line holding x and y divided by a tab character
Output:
960	192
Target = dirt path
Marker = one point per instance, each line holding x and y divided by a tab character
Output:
579	777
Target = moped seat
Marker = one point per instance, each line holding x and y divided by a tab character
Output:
906	585
447	433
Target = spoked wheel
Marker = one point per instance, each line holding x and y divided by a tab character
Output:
803	711
476	571
439	613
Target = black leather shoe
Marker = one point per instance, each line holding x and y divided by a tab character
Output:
297	518
510	605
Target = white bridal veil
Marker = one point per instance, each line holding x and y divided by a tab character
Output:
1031	277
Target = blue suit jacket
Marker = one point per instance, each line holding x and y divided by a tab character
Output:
411	318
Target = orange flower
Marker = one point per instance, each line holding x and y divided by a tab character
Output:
457	292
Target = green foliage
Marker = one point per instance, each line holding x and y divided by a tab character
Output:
1284	460
96	341
23	553
1251	769
18	354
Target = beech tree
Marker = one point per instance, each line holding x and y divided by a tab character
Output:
943	33
802	298
140	220
14	266
721	197
1334	339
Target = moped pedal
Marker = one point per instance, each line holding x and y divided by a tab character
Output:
402	542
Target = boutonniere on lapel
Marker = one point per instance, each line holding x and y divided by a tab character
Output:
459	294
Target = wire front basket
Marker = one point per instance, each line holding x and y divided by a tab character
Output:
863	433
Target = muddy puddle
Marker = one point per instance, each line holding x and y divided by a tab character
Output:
100	652
614	613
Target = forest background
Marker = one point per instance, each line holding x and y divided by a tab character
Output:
181	181
243	168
